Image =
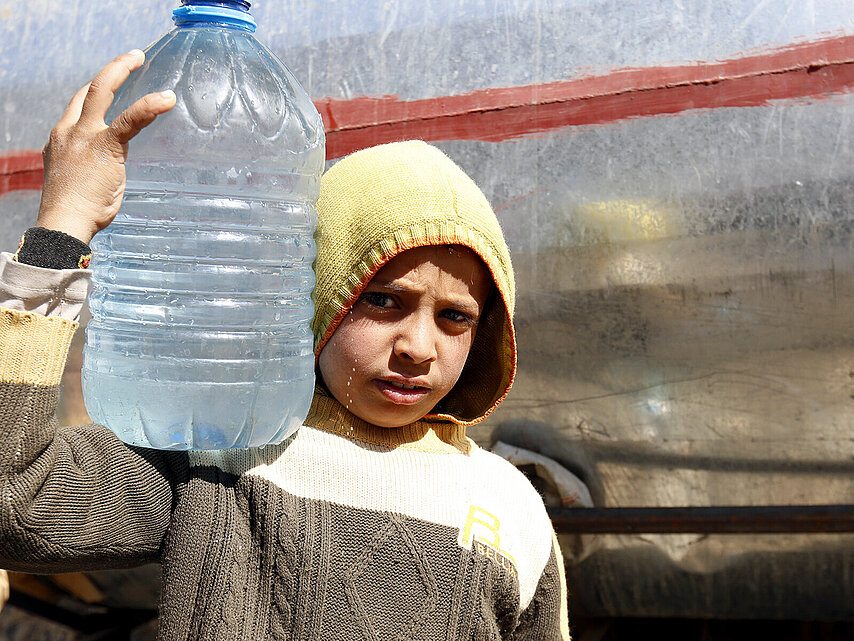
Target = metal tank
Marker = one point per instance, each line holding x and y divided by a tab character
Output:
674	178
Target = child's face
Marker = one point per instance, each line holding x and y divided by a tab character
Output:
404	343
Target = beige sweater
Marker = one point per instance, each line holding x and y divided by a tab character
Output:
345	531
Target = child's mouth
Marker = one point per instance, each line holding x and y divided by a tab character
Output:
401	393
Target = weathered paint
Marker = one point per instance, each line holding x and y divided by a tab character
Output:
812	69
807	70
20	170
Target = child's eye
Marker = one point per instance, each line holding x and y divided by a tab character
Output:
457	316
378	299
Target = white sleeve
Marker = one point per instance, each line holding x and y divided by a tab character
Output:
49	292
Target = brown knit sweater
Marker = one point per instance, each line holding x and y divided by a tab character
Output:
345	531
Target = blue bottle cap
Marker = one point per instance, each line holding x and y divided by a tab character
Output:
231	13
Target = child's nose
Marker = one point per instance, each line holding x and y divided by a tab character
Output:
416	340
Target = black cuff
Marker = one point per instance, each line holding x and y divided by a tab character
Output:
52	249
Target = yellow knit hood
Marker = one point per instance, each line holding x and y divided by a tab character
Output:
381	201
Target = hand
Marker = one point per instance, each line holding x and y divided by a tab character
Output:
84	170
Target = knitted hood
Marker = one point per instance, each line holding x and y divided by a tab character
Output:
381	201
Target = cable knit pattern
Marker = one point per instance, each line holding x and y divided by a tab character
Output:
346	531
251	555
392	553
234	605
284	581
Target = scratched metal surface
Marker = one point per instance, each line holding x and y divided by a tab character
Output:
409	48
685	282
685	337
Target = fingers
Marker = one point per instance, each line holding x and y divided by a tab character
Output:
140	114
102	89
72	111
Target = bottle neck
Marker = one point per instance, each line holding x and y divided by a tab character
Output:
232	14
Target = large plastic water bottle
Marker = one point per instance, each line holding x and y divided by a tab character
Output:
199	337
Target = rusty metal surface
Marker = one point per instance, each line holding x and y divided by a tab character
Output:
766	519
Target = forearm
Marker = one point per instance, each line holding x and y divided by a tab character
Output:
46	275
70	498
48	292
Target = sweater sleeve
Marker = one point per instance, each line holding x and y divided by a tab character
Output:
546	617
73	498
49	292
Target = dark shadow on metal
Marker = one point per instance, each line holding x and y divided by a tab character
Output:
647	456
766	519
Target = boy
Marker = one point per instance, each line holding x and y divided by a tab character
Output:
379	519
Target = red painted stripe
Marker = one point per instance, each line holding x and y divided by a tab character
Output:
20	169
810	69
806	70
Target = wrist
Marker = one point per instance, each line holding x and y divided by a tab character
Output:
52	249
71	225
